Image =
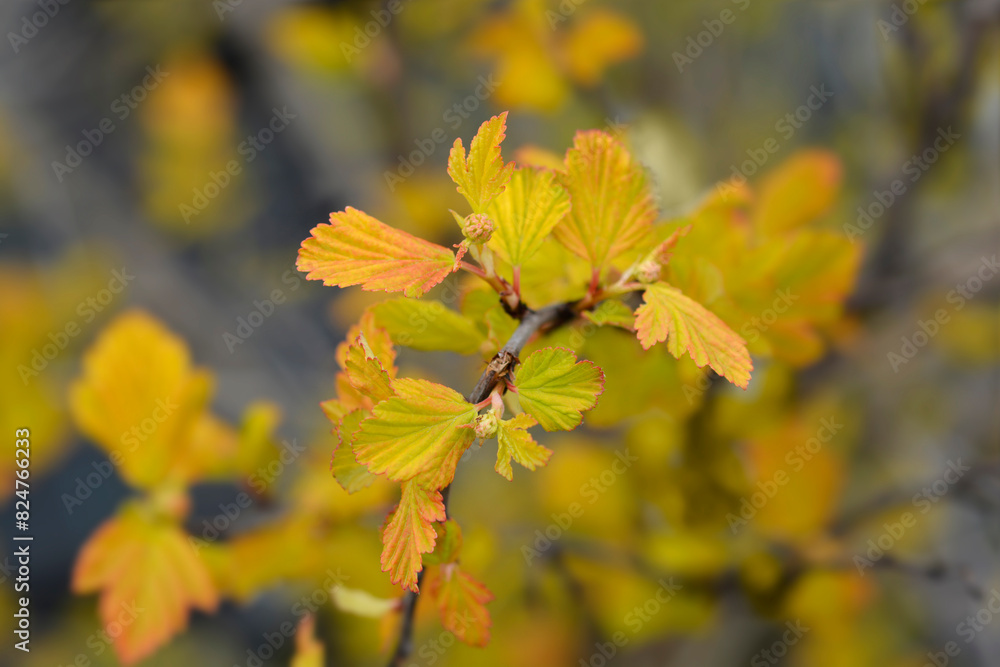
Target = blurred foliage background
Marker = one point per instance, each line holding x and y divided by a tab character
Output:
170	156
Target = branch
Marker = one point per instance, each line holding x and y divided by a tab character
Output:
533	322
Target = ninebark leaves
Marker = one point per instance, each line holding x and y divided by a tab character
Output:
555	388
481	175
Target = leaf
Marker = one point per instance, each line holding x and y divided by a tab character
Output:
554	388
362	603
515	442
146	570
308	650
428	325
140	399
409	532
613	206
462	605
525	213
797	191
357	249
688	326
483	175
350	474
377	339
612	313
415	431
449	543
365	372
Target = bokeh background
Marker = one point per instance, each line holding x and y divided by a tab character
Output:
118	121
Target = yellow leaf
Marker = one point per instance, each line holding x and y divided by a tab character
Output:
409	532
514	442
418	430
597	40
800	189
428	325
525	213
613	206
308	650
350	474
362	603
482	175
357	249
667	314
145	568
140	399
365	372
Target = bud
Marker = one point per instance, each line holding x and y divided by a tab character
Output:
478	228
648	271
486	425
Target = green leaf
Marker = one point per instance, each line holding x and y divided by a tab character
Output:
554	388
612	313
350	474
449	543
525	213
516	443
687	326
418	430
483	175
428	325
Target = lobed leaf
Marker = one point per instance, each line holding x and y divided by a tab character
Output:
555	389
357	249
146	570
462	605
514	442
612	313
350	474
613	205
409	532
418	430
482	175
526	212
686	325
428	325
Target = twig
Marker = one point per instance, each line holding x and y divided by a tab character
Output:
533	322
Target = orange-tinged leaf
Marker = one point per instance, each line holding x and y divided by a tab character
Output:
514	442
800	189
418	430
687	326
350	474
525	213
378	339
365	372
309	651
613	206
482	175
409	532
554	388
145	567
357	249
462	605
449	544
